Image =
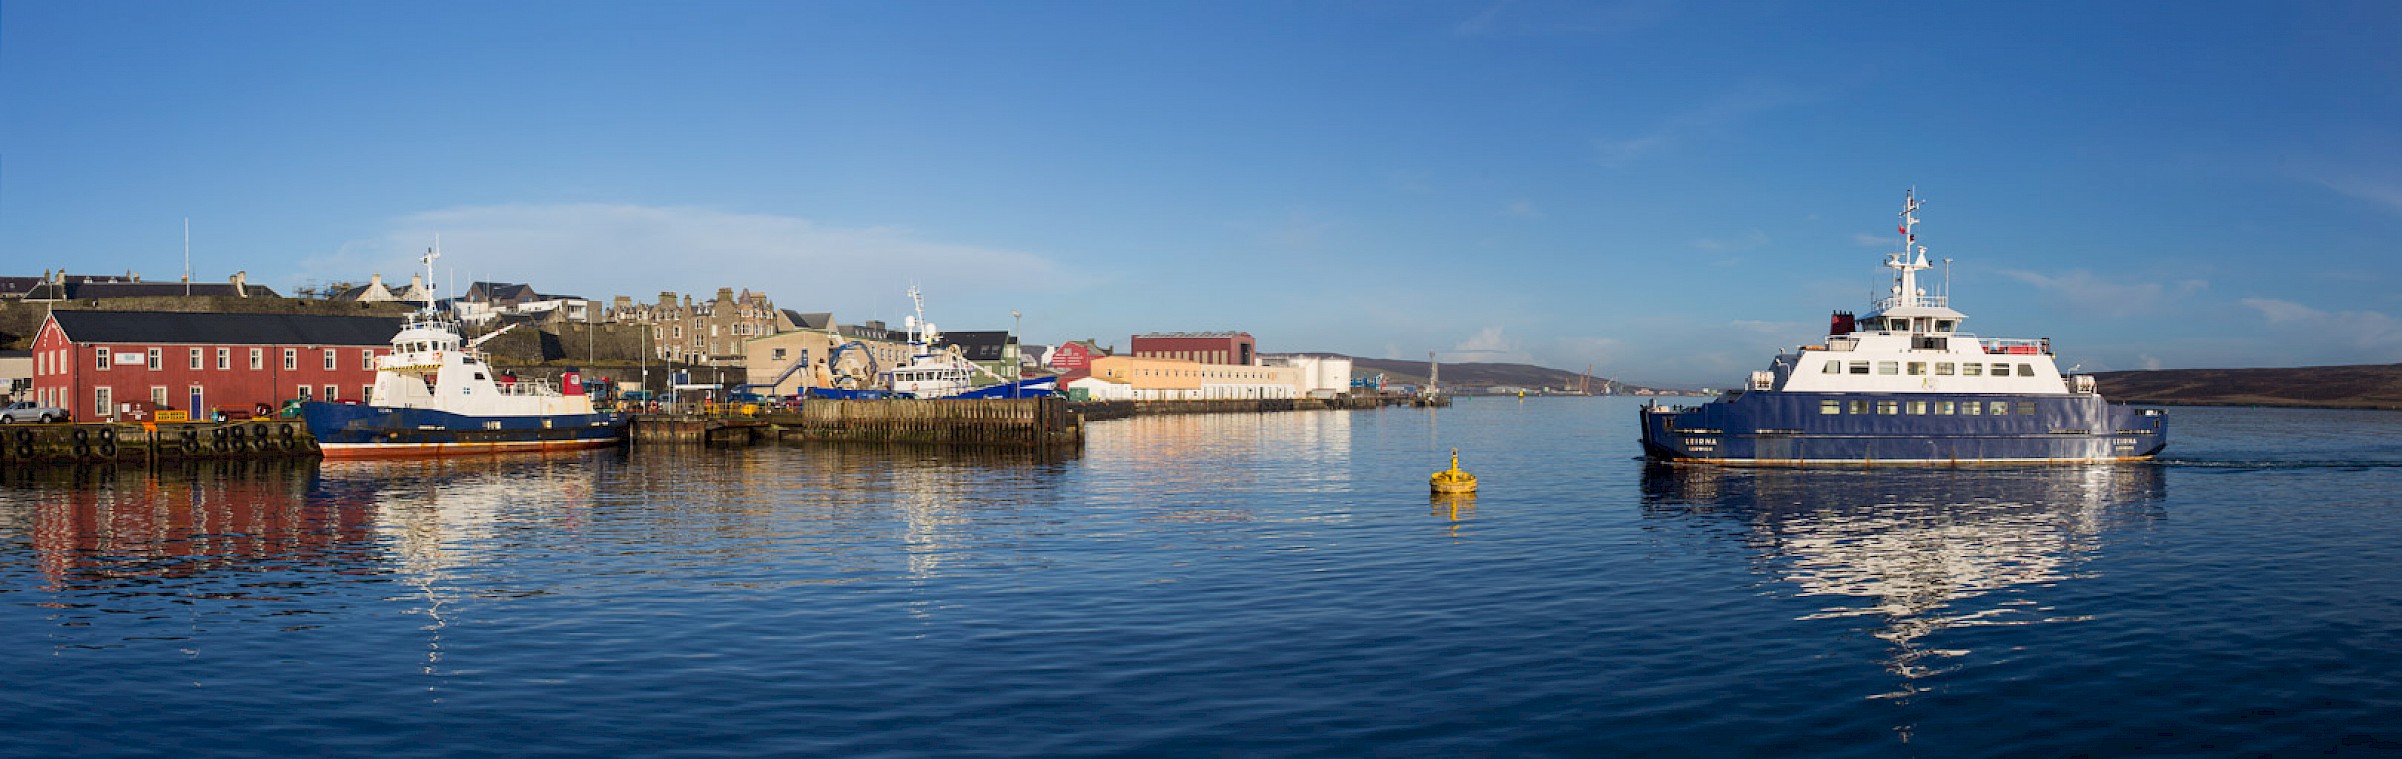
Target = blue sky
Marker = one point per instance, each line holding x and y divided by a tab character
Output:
1667	191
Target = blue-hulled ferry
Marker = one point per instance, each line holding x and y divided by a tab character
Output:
435	395
1903	385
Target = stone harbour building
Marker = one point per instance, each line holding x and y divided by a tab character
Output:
707	333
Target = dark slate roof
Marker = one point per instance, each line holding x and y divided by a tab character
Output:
19	285
980	346
225	329
501	293
810	321
106	290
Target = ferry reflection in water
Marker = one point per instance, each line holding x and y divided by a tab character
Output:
1919	550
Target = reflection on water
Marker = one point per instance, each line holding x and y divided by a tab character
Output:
1302	453
1454	508
111	528
1921	551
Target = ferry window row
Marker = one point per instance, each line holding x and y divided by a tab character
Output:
1939	408
1920	368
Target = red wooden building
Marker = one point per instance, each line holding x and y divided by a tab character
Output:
1205	347
92	363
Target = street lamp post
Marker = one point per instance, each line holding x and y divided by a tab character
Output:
1017	358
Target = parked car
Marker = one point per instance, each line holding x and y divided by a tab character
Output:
27	411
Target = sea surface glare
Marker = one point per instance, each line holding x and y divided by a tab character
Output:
1237	584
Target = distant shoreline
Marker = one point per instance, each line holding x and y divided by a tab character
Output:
2371	387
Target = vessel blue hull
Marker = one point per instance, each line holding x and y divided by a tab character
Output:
1028	388
361	431
1793	429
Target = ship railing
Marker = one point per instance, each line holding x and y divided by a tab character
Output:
1881	305
2041	346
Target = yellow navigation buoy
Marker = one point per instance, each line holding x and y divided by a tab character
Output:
1453	480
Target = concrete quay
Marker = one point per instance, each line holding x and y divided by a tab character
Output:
999	423
1094	411
117	442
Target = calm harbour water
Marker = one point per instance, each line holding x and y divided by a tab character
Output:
1272	584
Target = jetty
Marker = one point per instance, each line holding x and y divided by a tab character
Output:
1038	424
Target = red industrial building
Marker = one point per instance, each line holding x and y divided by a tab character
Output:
1205	347
93	363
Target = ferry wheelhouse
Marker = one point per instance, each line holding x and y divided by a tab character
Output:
1903	385
436	395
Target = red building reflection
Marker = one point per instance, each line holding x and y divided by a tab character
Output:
101	527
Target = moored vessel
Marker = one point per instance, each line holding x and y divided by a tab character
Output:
436	395
933	372
1903	385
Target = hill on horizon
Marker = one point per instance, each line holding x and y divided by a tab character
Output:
2364	386
1482	374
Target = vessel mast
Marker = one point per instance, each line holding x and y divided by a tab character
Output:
1907	264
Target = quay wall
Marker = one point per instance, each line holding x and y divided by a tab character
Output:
1022	422
106	442
1102	410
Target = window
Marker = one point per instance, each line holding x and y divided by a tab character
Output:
777	356
1943	368
366	393
329	359
1889	367
100	359
158	396
151	359
225	359
1917	407
1859	407
258	359
1971	408
1859	367
101	405
1972	370
1943	407
304	392
2026	370
198	359
2026	408
1918	368
367	359
291	359
332	394
1889	408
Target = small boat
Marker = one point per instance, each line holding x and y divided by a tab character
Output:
436	395
1453	480
1903	385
